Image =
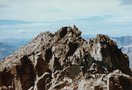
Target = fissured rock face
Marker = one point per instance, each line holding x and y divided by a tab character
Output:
66	61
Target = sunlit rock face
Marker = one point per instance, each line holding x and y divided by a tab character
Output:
65	61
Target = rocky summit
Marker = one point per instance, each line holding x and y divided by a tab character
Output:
65	61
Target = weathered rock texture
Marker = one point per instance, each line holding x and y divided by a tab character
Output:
66	61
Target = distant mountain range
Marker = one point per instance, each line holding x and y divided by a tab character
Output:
123	41
8	46
6	49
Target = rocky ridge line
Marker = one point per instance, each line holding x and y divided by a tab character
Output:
64	60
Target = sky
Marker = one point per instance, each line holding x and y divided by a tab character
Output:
27	18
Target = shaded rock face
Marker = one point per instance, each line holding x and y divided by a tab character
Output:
106	52
26	73
6	78
65	60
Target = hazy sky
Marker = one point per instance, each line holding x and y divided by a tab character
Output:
27	18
